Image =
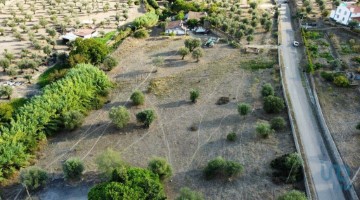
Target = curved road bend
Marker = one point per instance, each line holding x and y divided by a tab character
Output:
326	184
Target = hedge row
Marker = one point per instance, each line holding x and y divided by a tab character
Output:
310	67
82	89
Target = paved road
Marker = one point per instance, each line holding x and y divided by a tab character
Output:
326	184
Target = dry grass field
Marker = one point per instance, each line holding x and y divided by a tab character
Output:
221	72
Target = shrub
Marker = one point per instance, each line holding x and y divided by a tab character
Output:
119	116
146	21
278	123
140	184
73	119
160	167
221	167
264	129
119	175
231	136
73	168
341	81
293	195
33	177
109	63
183	51
146	117
194	95
243	108
358	126
328	76
137	97
197	54
6	112
108	161
142	33
273	104
288	168
188	194
6	91
192	43
267	90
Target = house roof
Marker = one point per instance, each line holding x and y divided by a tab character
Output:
174	24
354	8
196	15
84	32
69	36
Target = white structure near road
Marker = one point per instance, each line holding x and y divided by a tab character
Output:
175	27
82	33
345	13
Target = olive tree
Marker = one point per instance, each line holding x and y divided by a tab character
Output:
197	54
120	116
183	51
161	167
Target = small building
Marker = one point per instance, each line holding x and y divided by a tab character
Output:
345	13
176	27
195	15
81	33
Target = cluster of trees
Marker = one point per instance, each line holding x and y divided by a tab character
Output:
88	51
192	45
120	116
127	182
338	79
272	103
82	89
219	167
146	21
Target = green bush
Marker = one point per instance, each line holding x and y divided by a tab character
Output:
73	168
120	116
278	123
146	117
142	33
222	168
109	63
194	95
33	177
146	21
119	175
267	90
328	76
293	195
192	43
6	112
73	119
264	129
141	184
273	104
6	91
160	167
197	54
108	161
243	108
231	136
89	50
288	168
138	98
188	194
341	81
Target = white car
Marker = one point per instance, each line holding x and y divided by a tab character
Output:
296	43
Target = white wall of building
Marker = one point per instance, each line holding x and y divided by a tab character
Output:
343	15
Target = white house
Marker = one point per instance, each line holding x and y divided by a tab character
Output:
345	13
82	33
176	27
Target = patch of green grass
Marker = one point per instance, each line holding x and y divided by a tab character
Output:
108	36
258	64
47	77
327	56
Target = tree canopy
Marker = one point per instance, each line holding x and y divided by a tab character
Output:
89	50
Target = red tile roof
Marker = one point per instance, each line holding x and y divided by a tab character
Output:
84	32
196	15
174	24
356	19
354	8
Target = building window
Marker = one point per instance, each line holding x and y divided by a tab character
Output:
339	10
345	13
343	19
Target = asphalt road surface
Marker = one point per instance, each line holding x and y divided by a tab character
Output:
326	183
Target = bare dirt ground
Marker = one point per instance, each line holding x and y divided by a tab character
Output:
220	73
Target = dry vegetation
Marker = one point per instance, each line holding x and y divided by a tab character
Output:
222	72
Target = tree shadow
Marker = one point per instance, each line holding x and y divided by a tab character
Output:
175	104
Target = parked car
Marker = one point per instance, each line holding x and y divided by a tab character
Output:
296	43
